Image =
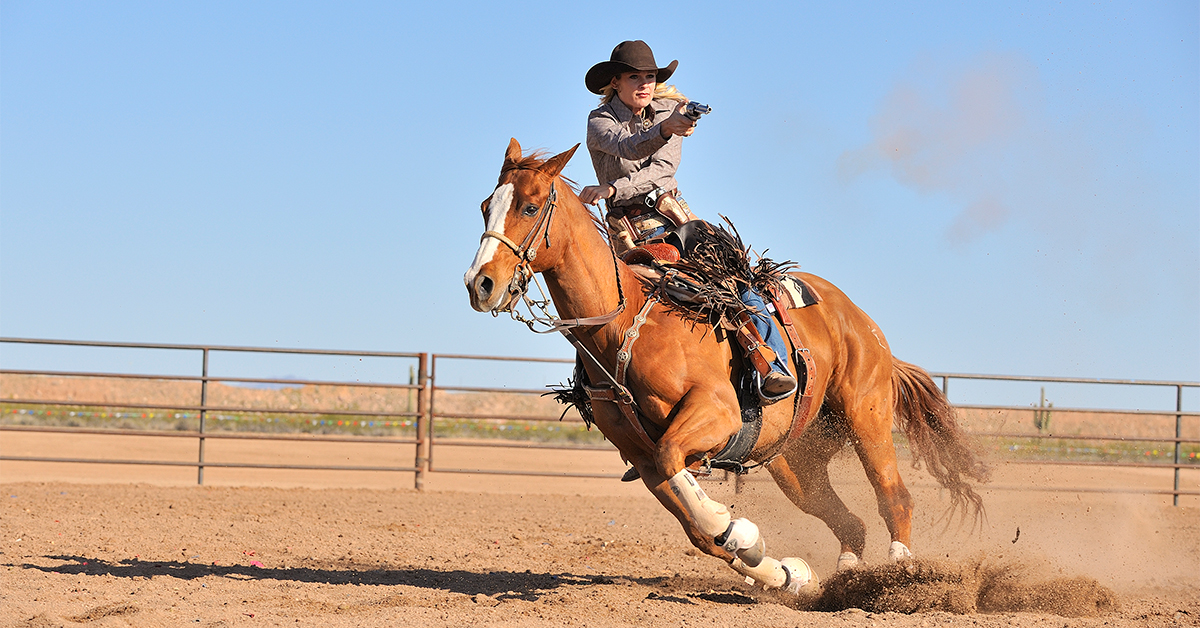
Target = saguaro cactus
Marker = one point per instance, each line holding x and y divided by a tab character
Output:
1041	416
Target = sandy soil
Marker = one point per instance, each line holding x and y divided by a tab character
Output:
108	545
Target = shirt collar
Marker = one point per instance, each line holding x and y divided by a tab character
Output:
625	114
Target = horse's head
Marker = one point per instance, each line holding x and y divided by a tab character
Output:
518	238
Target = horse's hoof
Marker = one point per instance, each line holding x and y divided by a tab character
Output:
847	560
631	474
801	577
898	552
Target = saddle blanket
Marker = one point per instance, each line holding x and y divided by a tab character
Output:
797	294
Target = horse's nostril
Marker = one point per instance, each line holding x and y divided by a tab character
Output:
483	287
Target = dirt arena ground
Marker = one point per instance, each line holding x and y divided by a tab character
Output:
102	545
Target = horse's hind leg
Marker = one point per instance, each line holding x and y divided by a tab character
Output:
803	476
870	418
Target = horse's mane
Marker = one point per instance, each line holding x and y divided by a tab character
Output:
533	161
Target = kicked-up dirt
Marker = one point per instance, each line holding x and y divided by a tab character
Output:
101	545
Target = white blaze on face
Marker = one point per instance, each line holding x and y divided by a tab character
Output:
497	212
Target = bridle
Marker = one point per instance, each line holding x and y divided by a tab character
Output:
526	252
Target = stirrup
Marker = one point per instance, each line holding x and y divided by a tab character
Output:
767	400
759	358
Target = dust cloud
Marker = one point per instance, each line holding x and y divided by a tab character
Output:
1007	146
982	585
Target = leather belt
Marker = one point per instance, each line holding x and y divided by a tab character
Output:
642	204
647	222
633	210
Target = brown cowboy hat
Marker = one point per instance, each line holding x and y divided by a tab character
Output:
628	56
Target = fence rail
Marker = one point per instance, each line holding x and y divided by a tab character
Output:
426	415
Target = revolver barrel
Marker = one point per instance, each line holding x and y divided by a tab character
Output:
694	110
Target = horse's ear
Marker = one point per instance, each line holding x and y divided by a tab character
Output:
555	164
513	154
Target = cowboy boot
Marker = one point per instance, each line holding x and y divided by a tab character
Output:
775	385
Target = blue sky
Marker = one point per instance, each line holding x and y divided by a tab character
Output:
1004	187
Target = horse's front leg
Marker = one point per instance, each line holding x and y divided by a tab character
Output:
703	422
658	485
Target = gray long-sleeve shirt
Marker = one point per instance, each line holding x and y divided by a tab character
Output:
629	152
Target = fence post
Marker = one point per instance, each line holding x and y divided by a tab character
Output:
1178	436
430	412
203	414
422	408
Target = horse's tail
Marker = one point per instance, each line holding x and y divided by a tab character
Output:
929	422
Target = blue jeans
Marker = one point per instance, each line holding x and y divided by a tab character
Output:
762	322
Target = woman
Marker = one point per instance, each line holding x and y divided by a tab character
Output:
635	138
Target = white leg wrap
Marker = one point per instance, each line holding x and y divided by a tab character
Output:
710	516
743	540
790	574
898	551
803	578
770	573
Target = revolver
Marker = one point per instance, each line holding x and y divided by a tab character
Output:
694	110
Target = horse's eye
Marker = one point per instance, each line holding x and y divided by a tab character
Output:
531	210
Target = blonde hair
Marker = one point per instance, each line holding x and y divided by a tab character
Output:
661	91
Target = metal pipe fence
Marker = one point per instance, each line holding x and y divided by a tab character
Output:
204	410
1177	439
433	439
433	420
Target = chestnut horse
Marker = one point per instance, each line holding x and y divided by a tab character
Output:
681	380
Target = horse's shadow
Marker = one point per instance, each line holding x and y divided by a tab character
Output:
498	584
